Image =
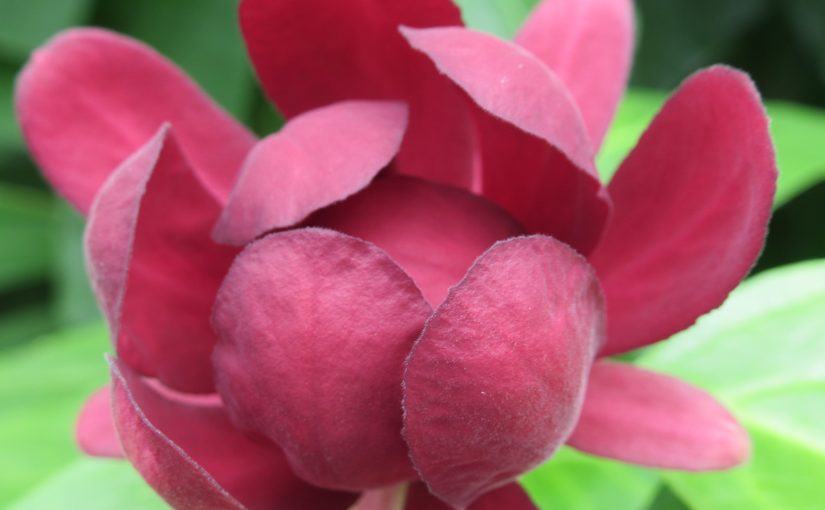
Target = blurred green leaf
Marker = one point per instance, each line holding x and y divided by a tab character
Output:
798	133
575	481
808	19
42	386
681	36
74	301
93	484
26	229
9	133
202	36
666	499
636	110
500	17
761	353
25	24
23	323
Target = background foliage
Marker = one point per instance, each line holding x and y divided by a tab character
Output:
761	352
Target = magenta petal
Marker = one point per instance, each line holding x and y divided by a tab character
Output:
189	452
589	45
637	416
89	98
314	328
319	158
495	383
153	266
537	161
434	232
95	430
692	203
310	53
507	497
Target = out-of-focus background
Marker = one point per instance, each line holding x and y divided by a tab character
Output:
52	338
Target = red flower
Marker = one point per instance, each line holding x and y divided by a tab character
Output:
406	281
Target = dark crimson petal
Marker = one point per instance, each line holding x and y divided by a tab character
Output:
692	203
654	420
537	161
153	266
508	497
589	45
310	53
434	232
495	383
89	98
319	158
95	430
186	448
314	328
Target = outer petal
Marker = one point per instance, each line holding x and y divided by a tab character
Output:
693	201
537	161
434	232
495	383
190	453
646	418
89	98
153	267
589	45
319	158
95	430
309	53
314	329
508	497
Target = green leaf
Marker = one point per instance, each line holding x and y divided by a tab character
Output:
575	481
500	17
202	36
798	132
74	301
42	386
10	138
26	229
636	110
93	484
761	354
25	24
22	323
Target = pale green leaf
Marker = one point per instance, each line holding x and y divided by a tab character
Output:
575	481
761	354
500	17
42	386
93	484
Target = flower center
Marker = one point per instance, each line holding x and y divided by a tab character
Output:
433	232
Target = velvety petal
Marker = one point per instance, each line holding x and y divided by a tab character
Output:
314	328
89	98
637	416
153	266
186	448
537	161
508	497
310	53
434	232
692	203
95	430
589	45
319	158
495	383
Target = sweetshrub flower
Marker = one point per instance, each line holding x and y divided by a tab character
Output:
414	284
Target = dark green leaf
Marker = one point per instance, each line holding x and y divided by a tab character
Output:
25	24
27	226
